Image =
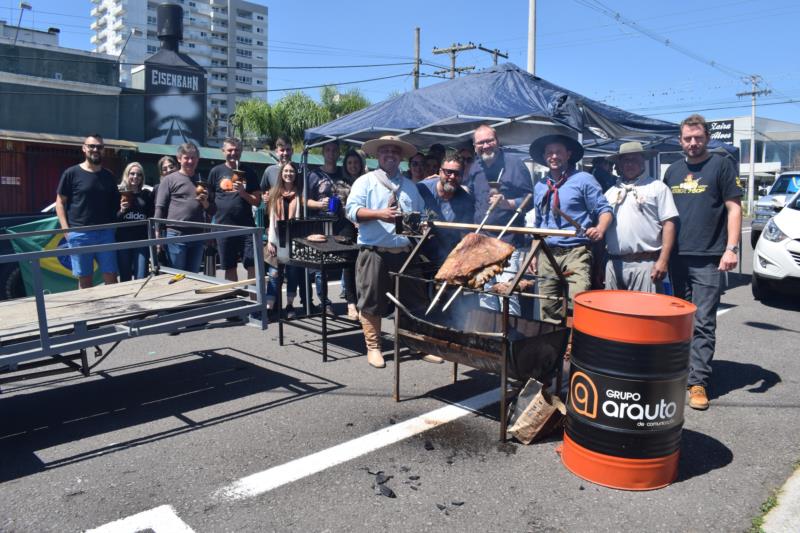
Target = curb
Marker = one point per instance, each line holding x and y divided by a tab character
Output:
785	516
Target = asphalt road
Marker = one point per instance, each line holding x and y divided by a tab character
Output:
177	420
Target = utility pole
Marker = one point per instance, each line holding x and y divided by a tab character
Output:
532	36
453	50
755	91
495	53
416	58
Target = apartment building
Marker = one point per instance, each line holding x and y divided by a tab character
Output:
227	37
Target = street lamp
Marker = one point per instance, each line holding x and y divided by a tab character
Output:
134	31
23	6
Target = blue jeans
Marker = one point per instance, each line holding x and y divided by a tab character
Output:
185	255
293	275
83	264
493	302
318	285
697	279
132	263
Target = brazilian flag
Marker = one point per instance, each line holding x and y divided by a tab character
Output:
56	271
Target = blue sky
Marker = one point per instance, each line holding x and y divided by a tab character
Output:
578	46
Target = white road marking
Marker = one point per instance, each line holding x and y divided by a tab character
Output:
161	519
272	478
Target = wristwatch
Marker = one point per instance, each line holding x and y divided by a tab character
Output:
734	248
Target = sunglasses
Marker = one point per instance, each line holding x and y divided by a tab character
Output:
450	173
95	146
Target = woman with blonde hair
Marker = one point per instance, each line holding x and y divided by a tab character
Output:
136	204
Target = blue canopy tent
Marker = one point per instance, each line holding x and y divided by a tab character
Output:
520	106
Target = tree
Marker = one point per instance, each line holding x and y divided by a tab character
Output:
296	112
252	119
341	104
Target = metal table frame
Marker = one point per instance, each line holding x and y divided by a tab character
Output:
19	352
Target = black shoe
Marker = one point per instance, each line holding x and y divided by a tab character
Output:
290	312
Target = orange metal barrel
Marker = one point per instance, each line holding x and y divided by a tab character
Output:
630	363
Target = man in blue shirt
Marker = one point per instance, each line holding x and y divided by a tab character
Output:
497	173
444	196
577	195
375	199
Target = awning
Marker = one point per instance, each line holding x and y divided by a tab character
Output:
54	138
206	152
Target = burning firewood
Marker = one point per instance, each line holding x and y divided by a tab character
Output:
474	261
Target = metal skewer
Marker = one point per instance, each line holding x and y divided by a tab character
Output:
511	221
479	228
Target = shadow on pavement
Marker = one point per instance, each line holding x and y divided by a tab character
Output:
769	327
729	376
734	279
72	409
700	454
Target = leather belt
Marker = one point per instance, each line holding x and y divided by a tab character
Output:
638	256
382	250
562	250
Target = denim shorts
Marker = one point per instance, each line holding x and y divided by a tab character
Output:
82	263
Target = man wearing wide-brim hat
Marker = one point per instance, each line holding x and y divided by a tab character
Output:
564	199
642	234
375	199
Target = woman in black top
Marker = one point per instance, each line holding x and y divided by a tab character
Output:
352	168
136	203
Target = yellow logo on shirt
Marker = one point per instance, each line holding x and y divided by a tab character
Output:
689	185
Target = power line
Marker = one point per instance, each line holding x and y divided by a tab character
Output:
255	91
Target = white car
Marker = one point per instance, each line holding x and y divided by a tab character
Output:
776	259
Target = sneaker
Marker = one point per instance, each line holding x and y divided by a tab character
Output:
329	310
698	398
430	358
290	312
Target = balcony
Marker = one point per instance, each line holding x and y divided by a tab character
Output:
117	25
118	10
98	24
99	10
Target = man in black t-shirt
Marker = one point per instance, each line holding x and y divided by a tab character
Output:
87	195
235	192
283	153
708	197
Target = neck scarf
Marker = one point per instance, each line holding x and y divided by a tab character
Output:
625	188
552	191
394	188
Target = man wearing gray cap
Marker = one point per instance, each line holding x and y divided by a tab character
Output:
640	238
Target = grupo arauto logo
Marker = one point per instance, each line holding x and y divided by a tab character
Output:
605	399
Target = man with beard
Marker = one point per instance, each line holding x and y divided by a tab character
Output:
87	195
444	196
566	194
707	193
235	193
376	198
497	175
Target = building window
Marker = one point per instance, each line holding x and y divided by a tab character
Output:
190	45
151	49
244	27
244	40
259	17
259	82
151	20
244	66
247	80
244	53
259	43
259	30
192	4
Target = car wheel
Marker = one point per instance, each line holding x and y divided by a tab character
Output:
760	288
11	285
754	235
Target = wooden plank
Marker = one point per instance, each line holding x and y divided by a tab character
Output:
102	303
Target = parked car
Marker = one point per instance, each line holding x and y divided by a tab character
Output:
768	205
776	259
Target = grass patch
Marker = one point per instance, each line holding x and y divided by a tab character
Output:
757	522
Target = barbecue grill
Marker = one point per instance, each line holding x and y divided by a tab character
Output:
334	253
498	343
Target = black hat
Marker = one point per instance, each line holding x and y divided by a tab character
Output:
537	148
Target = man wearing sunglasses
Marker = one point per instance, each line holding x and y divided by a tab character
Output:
445	197
87	195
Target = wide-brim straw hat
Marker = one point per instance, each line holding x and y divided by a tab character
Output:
371	147
536	150
633	147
